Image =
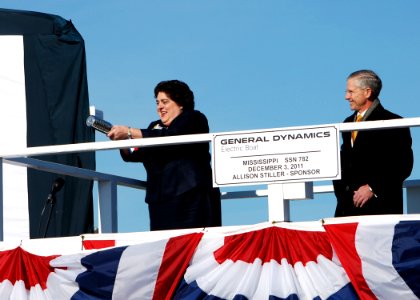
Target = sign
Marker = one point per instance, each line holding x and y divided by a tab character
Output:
270	156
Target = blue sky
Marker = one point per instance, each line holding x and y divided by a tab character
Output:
251	65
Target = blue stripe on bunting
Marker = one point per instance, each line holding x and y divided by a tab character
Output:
97	282
406	253
192	291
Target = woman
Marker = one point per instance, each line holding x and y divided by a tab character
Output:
179	178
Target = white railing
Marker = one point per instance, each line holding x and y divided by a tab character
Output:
278	194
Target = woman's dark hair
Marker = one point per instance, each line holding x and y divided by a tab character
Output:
178	91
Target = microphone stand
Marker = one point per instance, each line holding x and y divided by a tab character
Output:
51	200
57	185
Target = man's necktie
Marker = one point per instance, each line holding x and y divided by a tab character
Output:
354	133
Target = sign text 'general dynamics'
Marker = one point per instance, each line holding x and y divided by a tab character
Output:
299	154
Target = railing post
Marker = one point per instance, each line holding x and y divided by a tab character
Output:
107	198
1	201
278	207
413	199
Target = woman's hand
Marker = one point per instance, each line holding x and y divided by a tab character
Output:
122	132
118	132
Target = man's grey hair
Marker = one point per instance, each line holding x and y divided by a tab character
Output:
368	79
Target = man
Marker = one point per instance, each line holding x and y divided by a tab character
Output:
374	163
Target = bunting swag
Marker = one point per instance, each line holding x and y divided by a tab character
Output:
271	263
370	257
44	101
149	270
381	255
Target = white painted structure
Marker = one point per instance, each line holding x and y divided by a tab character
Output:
278	194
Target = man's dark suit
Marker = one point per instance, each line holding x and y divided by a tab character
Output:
383	159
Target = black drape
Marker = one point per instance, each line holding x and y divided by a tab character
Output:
57	105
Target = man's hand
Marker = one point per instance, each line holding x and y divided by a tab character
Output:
362	195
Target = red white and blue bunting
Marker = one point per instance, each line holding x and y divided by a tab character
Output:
373	257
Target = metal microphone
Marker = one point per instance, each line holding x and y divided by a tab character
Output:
98	124
56	187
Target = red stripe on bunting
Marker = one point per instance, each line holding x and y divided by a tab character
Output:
343	237
275	243
176	258
98	244
18	264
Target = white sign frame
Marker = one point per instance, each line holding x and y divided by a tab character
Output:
310	153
